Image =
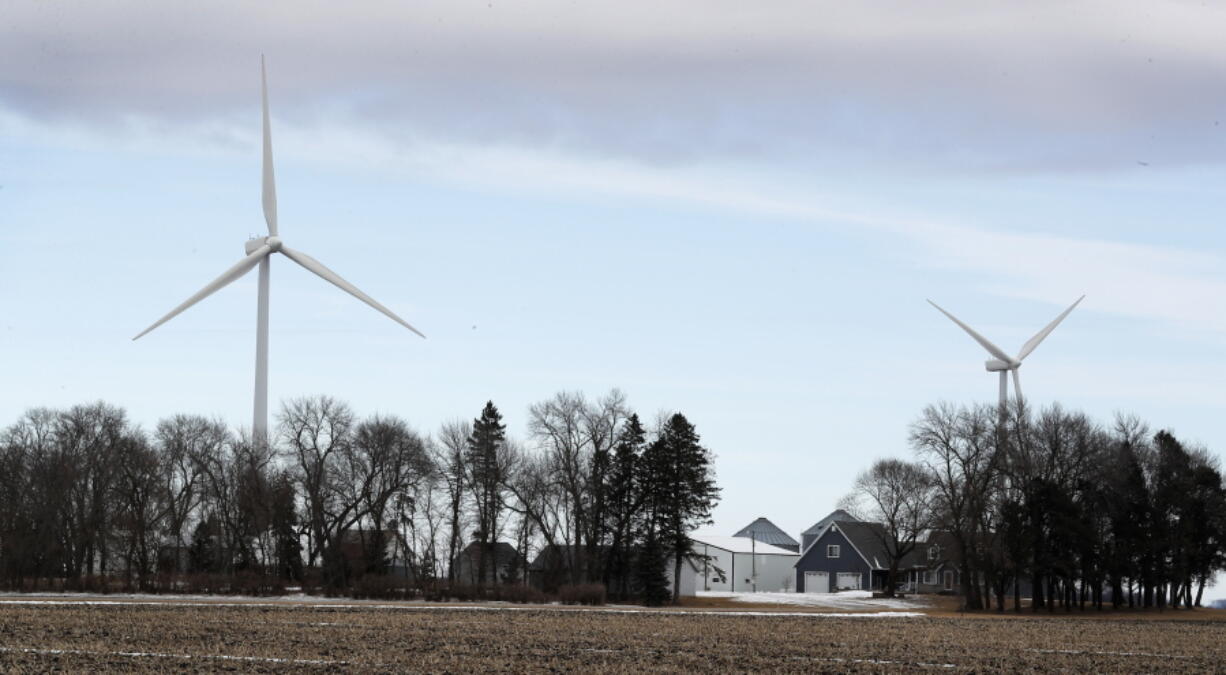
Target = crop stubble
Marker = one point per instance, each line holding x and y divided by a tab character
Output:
266	639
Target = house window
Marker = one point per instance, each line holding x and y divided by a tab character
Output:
930	577
934	552
832	551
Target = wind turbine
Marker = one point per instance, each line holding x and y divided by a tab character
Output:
1003	363
259	252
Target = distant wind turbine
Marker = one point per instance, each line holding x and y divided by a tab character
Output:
259	252
1003	363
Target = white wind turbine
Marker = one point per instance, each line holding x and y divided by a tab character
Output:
1003	363
259	252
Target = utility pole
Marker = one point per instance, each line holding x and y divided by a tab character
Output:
753	562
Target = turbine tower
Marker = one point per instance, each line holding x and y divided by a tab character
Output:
1003	363
259	252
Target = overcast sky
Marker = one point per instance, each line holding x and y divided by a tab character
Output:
734	210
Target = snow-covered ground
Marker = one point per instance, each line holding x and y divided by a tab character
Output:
846	600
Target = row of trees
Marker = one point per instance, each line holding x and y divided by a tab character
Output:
84	491
1053	503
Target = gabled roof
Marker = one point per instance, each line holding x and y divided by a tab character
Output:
819	526
558	556
766	532
868	539
739	544
502	552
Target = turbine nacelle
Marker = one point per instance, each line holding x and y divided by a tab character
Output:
272	241
996	365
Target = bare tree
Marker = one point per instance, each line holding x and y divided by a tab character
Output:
386	460
140	509
181	441
318	431
577	438
958	447
449	457
899	496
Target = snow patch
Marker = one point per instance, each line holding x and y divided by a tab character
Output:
841	600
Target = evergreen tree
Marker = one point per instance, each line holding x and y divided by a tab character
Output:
374	552
202	557
679	482
649	572
624	499
485	479
284	523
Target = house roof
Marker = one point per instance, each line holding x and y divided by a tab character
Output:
502	552
869	541
766	532
866	538
561	555
740	544
820	526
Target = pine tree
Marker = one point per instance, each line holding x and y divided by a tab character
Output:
285	529
202	557
679	483
624	500
485	479
649	572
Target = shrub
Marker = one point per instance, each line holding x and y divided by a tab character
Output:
582	594
520	594
380	587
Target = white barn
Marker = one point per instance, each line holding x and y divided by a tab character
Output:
741	564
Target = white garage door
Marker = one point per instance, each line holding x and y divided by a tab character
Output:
849	580
817	582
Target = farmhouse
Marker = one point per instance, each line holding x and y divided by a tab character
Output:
851	555
375	551
504	564
741	564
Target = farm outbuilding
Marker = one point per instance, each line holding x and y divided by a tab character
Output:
559	565
766	532
742	564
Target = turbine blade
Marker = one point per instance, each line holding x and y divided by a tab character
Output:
1017	386
239	269
270	185
992	349
335	279
1034	341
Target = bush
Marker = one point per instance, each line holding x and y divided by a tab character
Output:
381	587
521	594
582	594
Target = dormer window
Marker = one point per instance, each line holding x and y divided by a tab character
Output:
934	552
832	551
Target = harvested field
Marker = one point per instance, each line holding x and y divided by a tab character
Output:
269	637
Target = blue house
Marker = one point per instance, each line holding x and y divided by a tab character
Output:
851	555
843	557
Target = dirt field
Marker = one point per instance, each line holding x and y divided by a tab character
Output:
204	636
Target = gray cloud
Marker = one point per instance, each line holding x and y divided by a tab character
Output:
962	85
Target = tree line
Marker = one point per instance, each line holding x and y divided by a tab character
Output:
84	492
1054	505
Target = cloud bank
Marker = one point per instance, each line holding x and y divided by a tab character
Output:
964	85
